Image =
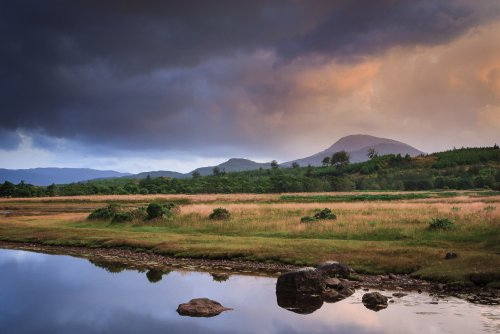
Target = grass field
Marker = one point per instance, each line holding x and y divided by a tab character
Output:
374	232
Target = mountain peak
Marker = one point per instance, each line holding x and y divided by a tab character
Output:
355	142
357	145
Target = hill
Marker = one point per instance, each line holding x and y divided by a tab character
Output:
233	165
47	176
358	146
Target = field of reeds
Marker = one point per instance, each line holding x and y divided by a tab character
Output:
374	232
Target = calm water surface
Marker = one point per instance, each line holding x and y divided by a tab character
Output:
60	294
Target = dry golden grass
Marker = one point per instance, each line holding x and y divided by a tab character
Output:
373	236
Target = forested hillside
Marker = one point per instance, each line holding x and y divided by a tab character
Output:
465	168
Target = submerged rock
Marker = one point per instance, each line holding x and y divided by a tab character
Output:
334	269
301	281
374	301
201	307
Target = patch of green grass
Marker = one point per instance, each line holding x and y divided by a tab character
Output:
353	198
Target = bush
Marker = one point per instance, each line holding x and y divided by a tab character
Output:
116	214
157	210
121	217
220	214
174	208
325	214
440	224
106	213
307	219
321	215
139	213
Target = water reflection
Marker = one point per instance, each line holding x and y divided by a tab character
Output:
60	294
155	275
299	303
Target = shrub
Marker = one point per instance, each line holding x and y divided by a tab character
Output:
174	208
121	217
220	214
440	224
325	214
321	215
307	219
139	213
106	213
157	210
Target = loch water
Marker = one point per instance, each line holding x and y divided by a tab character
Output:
42	293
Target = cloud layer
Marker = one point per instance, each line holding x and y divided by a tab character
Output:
247	78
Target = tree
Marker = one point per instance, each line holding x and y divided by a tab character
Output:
326	161
372	153
340	159
216	171
309	170
295	165
7	189
274	164
196	174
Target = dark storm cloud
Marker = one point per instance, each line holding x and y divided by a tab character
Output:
169	74
9	140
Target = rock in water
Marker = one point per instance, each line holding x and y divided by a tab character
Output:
300	290
301	281
201	307
374	301
399	294
334	269
336	290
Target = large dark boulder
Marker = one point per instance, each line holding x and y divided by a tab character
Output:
301	281
334	269
299	303
201	307
300	290
374	301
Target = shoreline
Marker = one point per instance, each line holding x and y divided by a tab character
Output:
117	259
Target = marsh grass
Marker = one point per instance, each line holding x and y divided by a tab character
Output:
373	236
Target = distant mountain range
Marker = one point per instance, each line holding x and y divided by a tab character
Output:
356	145
47	176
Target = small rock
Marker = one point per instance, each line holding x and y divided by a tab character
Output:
201	307
450	255
392	276
333	282
399	294
374	301
335	295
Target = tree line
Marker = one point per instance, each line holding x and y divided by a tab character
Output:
466	168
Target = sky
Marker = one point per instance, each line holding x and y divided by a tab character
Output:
174	85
